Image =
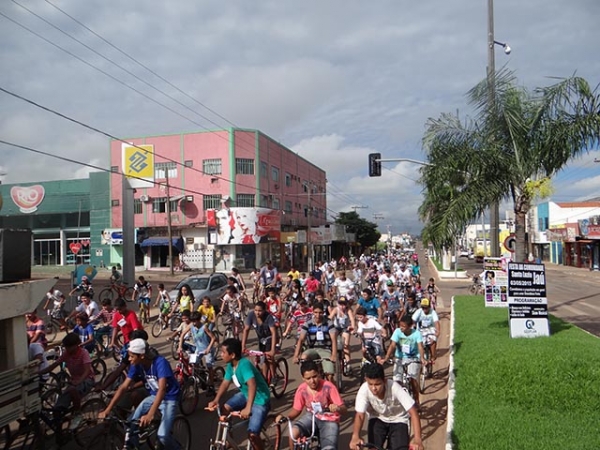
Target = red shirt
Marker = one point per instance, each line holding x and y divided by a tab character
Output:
274	307
300	317
325	395
76	363
311	285
126	323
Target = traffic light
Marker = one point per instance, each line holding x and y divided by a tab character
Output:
374	164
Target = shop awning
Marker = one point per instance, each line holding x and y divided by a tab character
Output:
163	242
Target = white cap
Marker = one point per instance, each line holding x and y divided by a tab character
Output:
137	346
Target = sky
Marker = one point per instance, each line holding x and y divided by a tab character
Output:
331	80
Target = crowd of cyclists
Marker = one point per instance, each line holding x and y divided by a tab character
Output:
378	302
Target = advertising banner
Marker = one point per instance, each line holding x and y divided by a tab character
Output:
244	225
527	301
495	280
138	165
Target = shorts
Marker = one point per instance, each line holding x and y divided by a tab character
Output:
428	335
209	359
397	434
144	300
83	388
320	353
374	349
414	368
264	345
57	313
259	412
327	431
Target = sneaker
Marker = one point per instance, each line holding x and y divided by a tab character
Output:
76	421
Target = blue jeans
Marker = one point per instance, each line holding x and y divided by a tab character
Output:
328	432
168	408
259	412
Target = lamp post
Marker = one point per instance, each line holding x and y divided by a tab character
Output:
491	75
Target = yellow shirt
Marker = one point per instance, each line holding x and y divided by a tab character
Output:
209	313
185	302
295	275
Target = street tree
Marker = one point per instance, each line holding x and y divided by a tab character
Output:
516	141
366	232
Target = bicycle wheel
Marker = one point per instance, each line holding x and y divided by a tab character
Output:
106	293
107	439
175	322
188	397
422	378
182	432
128	294
157	328
89	427
339	369
174	349
279	384
99	368
219	376
51	330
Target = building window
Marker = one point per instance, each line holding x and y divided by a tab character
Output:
288	179
274	173
137	206
212	166
245	201
114	169
189	163
114	203
244	166
159	205
162	169
288	207
211	201
275	203
264	200
263	169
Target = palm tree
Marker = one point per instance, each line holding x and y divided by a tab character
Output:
509	150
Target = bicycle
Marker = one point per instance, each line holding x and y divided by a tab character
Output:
405	378
278	381
53	326
115	291
342	366
161	324
234	436
115	434
193	375
427	368
303	442
476	287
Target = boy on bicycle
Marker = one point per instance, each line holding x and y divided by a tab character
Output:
163	389
428	323
370	332
321	399
390	409
266	331
143	290
253	401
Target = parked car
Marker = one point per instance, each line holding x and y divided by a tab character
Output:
211	284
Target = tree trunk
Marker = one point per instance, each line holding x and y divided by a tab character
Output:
520	254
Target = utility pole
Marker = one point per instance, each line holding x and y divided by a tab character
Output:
169	230
308	225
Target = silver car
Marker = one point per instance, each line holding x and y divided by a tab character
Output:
212	285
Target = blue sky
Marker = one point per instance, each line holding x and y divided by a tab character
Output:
332	80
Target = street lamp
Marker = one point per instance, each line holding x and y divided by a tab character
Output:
491	75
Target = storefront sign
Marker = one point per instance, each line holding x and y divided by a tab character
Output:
27	198
496	282
112	236
138	164
527	301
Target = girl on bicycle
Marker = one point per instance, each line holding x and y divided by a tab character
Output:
344	323
185	298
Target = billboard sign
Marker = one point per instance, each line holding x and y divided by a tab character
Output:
244	225
27	198
527	301
495	280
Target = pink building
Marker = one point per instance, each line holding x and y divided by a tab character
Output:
240	172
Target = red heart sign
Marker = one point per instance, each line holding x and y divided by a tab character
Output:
75	247
85	243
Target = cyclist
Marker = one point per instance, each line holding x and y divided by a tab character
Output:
254	399
87	305
231	309
294	273
124	320
239	280
390	409
428	323
370	331
392	303
432	291
407	345
163	389
321	399
185	298
311	285
79	365
164	303
85	331
371	304
204	342
345	287
383	279
268	275
207	312
273	304
58	305
320	337
143	290
299	317
115	276
344	323
84	286
411	306
105	319
266	331
36	328
186	319
329	279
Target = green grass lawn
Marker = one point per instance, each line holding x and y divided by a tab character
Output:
541	393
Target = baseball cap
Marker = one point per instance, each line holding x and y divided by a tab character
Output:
389	283
137	346
425	302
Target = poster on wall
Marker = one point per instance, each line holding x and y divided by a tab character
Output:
27	198
495	280
527	300
243	225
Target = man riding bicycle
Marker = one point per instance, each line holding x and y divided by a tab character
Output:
428	323
266	331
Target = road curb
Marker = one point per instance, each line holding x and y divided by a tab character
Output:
451	381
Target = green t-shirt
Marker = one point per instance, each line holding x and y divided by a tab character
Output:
243	372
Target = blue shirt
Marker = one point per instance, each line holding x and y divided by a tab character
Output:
160	368
201	338
392	299
371	306
407	347
85	333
